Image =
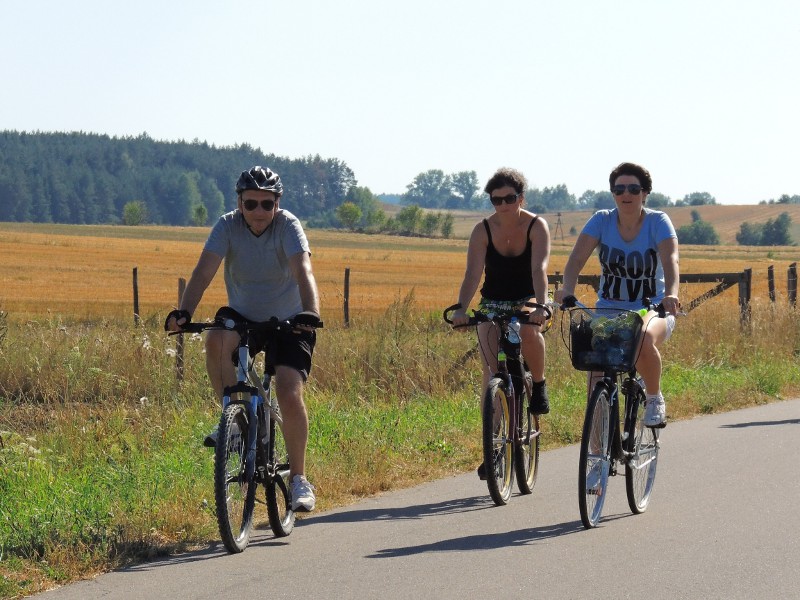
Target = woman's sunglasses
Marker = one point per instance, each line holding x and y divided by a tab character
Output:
498	200
250	205
633	188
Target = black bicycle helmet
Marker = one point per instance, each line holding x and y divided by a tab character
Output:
259	178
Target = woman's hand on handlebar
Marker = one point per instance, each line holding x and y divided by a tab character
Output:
671	305
537	315
460	317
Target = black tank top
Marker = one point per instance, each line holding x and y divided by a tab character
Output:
507	277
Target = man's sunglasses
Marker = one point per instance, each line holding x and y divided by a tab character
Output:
498	200
633	188
250	205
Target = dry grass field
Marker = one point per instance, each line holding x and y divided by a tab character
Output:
82	272
726	219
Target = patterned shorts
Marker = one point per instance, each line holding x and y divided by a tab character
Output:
501	307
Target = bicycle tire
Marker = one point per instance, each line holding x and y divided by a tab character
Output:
595	457
279	497
526	452
640	467
498	453
235	497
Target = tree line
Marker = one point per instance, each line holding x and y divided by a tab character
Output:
85	178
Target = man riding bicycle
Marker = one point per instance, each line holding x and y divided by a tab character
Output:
267	274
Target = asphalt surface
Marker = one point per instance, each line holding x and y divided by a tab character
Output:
723	522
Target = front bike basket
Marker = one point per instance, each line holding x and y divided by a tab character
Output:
603	339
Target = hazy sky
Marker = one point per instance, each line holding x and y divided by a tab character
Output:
704	93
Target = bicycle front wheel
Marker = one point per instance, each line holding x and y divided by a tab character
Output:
595	456
526	452
234	492
279	497
640	467
497	441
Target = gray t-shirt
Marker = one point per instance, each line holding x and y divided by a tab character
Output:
258	279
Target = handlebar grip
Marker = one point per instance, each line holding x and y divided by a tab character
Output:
569	302
547	312
450	309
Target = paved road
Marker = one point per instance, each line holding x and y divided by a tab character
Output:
723	523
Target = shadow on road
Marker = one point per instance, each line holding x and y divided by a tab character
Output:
761	423
458	505
491	541
262	536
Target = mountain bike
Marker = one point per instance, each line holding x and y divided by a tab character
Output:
250	449
510	434
608	341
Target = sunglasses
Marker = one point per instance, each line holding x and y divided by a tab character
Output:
250	205
498	200
633	188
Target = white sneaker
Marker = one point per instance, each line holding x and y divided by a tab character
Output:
303	498
655	412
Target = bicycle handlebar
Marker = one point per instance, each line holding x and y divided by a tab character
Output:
480	317
572	302
242	326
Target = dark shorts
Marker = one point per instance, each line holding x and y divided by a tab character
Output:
282	348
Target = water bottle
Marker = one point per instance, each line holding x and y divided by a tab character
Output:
513	331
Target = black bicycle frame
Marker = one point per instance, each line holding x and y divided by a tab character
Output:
509	359
614	386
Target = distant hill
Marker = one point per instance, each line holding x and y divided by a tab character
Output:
726	219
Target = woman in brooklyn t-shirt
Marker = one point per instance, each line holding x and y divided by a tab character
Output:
638	252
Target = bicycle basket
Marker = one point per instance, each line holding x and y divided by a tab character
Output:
603	339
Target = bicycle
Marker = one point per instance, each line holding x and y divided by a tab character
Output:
250	449
607	341
508	449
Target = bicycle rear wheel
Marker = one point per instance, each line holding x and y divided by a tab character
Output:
595	457
235	495
497	442
640	468
526	453
279	497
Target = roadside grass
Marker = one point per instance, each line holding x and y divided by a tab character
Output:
101	461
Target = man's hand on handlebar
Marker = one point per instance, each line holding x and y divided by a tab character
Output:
307	320
176	319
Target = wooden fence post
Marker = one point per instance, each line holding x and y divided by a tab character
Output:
745	285
179	341
792	284
347	297
135	295
771	282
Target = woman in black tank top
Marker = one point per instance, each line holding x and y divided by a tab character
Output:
512	249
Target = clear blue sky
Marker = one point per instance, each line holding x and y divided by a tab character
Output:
705	93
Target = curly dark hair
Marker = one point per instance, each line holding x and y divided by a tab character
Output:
506	176
638	171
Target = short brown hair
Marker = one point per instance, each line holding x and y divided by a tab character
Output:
638	171
505	176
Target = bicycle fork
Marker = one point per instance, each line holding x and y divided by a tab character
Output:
244	390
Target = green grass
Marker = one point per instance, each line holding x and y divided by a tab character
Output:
101	462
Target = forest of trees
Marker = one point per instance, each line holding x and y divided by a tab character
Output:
89	178
85	178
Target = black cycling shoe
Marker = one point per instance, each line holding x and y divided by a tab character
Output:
540	403
210	441
482	472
